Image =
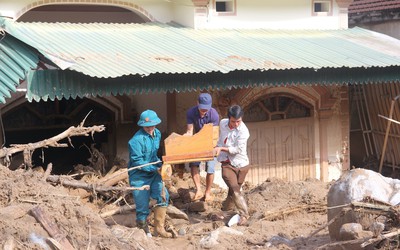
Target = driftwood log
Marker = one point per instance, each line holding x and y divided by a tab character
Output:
66	181
115	177
51	228
29	148
274	215
118	210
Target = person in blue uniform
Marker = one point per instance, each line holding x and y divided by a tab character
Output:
143	147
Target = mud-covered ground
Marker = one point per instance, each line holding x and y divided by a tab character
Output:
283	215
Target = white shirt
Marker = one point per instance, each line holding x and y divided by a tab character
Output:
236	142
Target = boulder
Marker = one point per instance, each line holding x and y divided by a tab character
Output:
353	231
355	185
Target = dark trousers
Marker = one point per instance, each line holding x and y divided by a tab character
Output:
233	177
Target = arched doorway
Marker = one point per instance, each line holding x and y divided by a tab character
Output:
281	140
36	121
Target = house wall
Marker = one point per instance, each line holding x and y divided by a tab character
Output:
184	13
285	14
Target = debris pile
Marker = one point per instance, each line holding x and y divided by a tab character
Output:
364	210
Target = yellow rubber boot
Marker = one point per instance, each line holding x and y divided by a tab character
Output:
159	222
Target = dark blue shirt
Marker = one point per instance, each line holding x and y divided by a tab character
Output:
193	117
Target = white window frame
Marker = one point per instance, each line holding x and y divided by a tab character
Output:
327	8
230	3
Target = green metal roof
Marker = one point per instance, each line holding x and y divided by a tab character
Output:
114	50
15	60
103	59
56	84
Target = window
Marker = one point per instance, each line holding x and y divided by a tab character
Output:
225	7
322	8
277	107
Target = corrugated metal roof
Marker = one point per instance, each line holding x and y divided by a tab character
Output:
57	84
114	50
15	60
360	6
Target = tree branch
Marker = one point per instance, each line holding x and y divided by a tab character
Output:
51	142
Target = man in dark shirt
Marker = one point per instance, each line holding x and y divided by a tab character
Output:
196	118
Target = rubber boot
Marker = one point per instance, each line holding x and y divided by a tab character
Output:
143	225
241	205
228	204
159	222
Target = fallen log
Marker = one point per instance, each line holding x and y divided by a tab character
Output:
121	174
119	210
90	187
51	228
172	211
112	170
342	244
115	178
275	215
29	148
379	209
381	237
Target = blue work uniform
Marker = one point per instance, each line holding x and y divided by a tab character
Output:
143	149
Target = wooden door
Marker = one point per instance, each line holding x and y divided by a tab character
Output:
283	149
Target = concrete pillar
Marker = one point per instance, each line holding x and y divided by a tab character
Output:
343	13
324	119
200	13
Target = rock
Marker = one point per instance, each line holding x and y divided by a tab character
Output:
196	206
181	231
184	194
175	213
355	185
9	244
350	231
211	240
376	228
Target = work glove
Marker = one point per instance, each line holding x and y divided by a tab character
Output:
166	172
